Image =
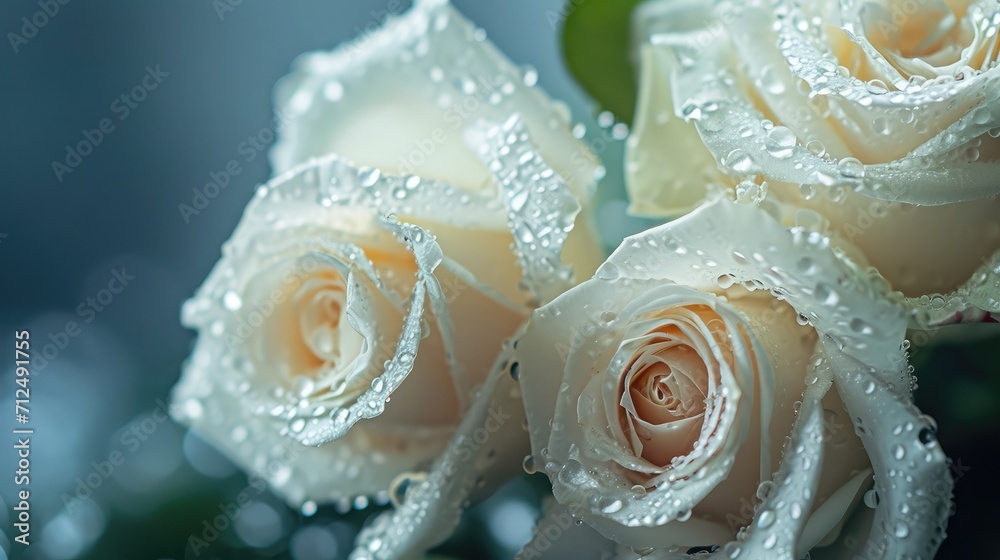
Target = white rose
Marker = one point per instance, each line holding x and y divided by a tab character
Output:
322	307
683	394
407	100
880	116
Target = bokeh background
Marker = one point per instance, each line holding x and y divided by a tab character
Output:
62	239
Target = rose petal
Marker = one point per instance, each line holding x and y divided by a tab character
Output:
558	535
430	78
825	523
897	239
372	402
974	301
660	143
719	104
600	488
427	76
912	479
723	238
486	449
778	520
541	209
711	249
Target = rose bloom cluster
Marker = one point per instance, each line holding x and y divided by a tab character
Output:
416	308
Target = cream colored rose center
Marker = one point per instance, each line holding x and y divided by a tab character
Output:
306	335
321	303
932	37
666	386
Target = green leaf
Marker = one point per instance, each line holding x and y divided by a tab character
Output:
595	40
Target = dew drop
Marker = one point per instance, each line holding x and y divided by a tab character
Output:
765	489
981	115
780	141
901	530
309	508
739	161
608	271
871	498
304	385
238	434
770	80
726	281
851	167
860	327
770	541
926	436
880	126
826	295
876	87
333	90
232	301
816	148
898	452
611	506
572	473
368	176
529	76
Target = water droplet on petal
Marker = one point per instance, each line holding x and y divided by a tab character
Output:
611	506
901	530
333	90
770	80
851	167
232	301
982	115
816	148
765	519
871	498
309	508
876	87
779	142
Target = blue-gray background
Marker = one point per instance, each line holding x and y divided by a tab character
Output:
61	241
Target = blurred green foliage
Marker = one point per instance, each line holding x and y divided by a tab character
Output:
595	41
